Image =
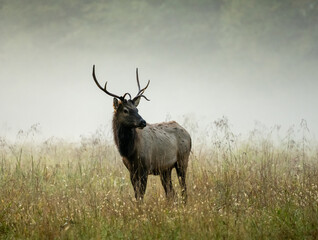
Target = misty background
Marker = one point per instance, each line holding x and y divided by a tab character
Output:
248	60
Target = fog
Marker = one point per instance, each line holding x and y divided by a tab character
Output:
249	61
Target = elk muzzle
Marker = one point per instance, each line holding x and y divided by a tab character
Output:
142	124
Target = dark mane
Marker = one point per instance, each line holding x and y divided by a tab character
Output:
124	138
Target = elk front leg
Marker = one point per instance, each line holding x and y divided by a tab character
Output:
139	182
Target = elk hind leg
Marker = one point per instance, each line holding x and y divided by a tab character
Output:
165	177
181	172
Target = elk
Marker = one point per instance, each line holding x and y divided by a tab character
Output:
148	148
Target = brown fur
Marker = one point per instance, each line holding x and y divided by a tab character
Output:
156	149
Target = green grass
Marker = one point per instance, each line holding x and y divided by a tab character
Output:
252	189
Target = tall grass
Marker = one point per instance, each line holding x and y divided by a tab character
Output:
260	187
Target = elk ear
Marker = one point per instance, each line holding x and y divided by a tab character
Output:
136	101
115	103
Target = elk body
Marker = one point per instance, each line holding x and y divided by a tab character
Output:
148	148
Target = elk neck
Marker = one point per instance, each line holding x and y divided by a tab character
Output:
125	138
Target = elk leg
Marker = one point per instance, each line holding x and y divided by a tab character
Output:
181	172
139	183
165	177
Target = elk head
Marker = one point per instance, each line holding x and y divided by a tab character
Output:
126	112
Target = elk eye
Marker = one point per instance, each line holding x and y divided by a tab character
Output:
125	111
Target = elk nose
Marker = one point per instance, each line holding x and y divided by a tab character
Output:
142	124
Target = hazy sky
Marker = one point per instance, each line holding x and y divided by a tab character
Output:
205	59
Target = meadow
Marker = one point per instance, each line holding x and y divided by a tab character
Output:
261	186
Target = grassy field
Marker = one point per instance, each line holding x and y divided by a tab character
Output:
263	187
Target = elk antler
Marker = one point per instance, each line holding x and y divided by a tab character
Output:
127	94
140	91
104	88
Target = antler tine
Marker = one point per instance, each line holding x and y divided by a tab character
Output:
127	94
137	77
144	97
140	91
144	89
104	89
